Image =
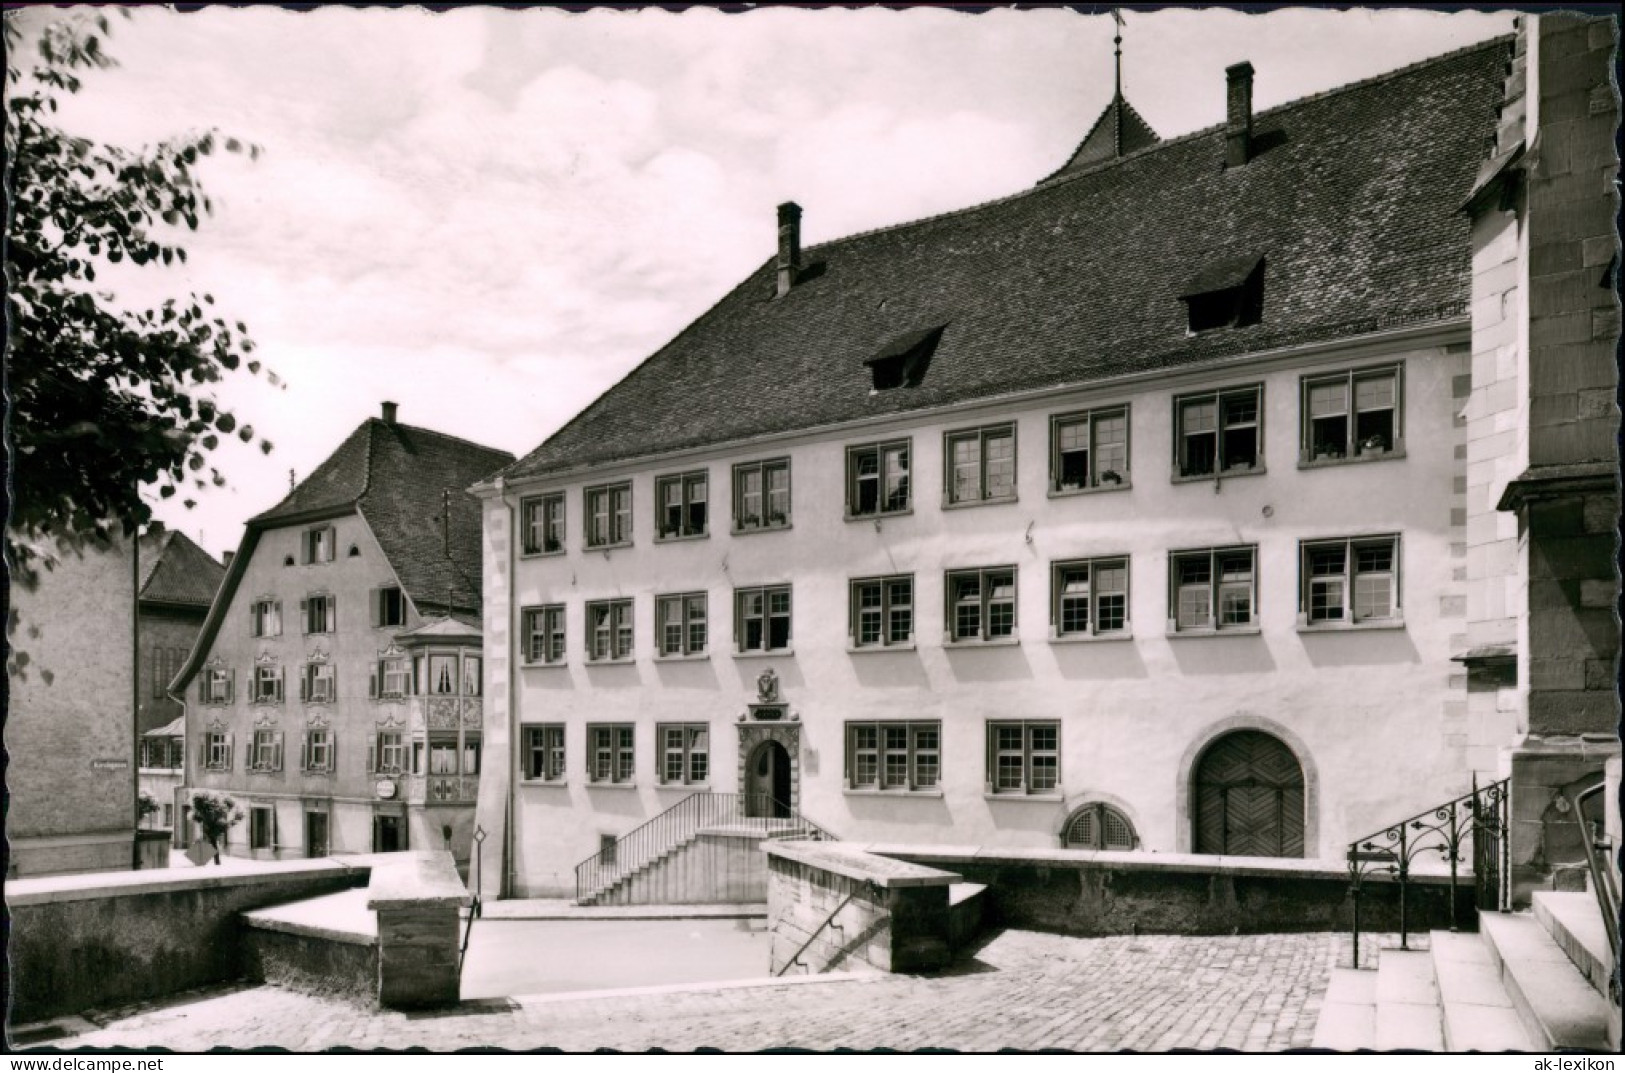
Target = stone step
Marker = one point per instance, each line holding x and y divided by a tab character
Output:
1477	1013
1348	1014
1407	1003
1574	921
1558	1006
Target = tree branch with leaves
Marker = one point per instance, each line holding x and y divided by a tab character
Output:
108	404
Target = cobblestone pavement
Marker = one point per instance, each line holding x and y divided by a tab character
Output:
1024	990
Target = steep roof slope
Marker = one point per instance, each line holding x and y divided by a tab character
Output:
396	476
174	570
1350	200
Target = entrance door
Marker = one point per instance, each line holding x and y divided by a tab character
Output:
388	834
1249	797
767	781
315	834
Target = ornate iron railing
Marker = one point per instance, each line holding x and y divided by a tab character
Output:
1475	823
682	823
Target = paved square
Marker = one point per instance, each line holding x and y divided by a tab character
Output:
1023	990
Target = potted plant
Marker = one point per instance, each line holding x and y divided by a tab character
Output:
1374	444
1111	476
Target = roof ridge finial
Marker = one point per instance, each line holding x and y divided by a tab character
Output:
1117	17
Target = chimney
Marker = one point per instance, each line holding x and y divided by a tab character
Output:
1238	125
389	413
226	557
789	246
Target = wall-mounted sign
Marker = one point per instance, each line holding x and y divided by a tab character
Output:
386	789
109	764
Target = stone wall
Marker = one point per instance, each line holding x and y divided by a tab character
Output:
834	907
717	867
83	942
69	727
1081	892
417	898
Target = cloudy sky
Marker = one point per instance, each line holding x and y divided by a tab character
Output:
489	216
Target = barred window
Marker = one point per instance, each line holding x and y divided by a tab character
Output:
1099	826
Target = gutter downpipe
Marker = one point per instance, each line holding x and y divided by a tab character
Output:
513	692
135	699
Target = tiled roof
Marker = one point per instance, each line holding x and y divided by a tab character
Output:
1351	200
175	728
395	475
174	570
1118	132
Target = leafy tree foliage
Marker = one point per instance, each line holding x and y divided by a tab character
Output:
216	813
145	805
105	401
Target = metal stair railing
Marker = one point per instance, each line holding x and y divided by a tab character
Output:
829	922
1602	878
682	823
1480	818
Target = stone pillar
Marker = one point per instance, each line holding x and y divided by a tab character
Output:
1566	502
417	901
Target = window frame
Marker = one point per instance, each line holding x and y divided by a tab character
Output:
551	618
619	622
762	522
1092	629
617	513
313	671
1353	449
544	517
981	434
324	744
262	827
686	751
951	602
912	751
266	674
218	686
687	623
886	609
741	619
537	743
330	612
1221	398
264	751
1215	584
261	612
311	544
389	743
881	450
1348	580
683	483
621	754
1028	752
1098	811
1094	479
218	746
380	598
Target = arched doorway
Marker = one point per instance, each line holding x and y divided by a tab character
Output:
767	781
1249	797
1098	826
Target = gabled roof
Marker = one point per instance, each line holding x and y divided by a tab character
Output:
175	728
440	629
1118	132
174	570
396	476
1351	200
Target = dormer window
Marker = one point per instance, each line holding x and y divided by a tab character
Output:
902	361
1226	294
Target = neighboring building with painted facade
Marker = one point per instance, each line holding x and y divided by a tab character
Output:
336	688
76	709
1130	512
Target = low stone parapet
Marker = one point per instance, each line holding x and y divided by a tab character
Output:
417	900
835	906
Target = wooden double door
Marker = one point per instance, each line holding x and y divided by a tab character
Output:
1249	797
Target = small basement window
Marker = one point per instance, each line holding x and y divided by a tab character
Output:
1226	294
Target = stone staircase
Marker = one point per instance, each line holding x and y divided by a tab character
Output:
1528	981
